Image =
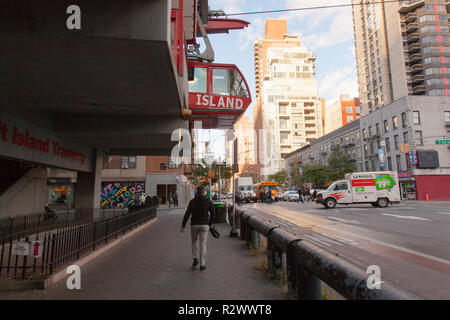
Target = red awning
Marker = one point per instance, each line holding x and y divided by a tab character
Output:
224	25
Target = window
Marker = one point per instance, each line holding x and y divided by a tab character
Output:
349	119
364	133
370	131
199	82
447	116
349	109
394	123
229	82
399	166
418	136
396	144
386	126
416	117
404	120
377	128
283	124
389	159
284	138
163	166
405	137
128	162
388	145
282	109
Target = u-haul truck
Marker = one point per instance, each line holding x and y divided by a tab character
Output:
376	188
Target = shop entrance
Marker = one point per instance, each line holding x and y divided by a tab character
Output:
408	190
163	190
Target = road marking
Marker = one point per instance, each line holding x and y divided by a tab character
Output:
344	220
405	217
442	212
327	241
286	223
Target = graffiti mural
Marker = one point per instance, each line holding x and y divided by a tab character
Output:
121	194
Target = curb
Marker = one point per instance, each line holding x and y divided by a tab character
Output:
41	284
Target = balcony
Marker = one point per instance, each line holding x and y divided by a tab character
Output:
418	78
414	47
414	58
412	37
410	17
419	89
416	68
411	27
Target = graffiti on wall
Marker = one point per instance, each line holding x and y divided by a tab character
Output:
121	194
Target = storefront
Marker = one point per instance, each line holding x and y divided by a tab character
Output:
60	192
407	185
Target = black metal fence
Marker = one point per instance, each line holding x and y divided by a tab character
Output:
48	251
21	226
307	265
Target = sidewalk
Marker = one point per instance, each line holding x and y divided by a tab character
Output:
156	264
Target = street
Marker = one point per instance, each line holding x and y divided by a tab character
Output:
409	241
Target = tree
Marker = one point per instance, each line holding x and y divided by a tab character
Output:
201	173
339	164
280	178
315	174
296	176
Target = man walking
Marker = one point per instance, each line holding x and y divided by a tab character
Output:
198	209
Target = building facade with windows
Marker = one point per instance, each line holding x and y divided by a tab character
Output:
384	139
341	113
290	110
402	48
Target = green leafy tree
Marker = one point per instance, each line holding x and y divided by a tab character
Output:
296	176
317	175
201	173
339	164
281	178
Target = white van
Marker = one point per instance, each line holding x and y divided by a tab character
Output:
377	188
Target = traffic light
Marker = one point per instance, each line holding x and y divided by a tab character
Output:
407	148
401	148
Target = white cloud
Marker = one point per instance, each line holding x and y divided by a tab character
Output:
340	81
248	36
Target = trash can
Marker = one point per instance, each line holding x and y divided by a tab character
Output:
221	212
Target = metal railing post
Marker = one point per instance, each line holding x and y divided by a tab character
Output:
309	286
254	238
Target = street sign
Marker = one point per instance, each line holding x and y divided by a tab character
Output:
442	141
413	157
37	248
21	248
221	164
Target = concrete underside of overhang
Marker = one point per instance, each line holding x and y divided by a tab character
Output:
82	84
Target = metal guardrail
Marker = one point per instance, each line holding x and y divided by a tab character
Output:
66	244
307	264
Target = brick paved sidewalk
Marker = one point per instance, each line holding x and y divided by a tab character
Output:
156	264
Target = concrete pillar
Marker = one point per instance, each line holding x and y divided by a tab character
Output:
88	187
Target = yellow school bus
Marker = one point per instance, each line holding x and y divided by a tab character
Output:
263	187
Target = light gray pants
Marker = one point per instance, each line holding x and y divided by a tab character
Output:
199	235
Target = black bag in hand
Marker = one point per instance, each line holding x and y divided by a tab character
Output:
214	232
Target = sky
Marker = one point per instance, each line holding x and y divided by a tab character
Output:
326	32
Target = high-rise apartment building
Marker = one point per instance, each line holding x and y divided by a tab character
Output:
288	109
402	48
341	113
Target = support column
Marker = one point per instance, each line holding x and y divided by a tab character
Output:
87	189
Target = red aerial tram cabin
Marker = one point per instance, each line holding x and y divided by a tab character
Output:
218	94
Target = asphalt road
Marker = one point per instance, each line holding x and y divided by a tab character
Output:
409	241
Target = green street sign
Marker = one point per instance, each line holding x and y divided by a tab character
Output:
442	141
384	182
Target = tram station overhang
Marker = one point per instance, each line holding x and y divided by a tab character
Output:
117	72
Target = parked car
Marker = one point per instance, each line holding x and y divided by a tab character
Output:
290	196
